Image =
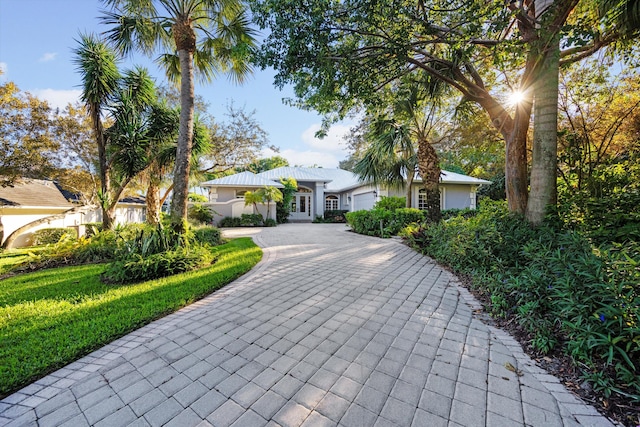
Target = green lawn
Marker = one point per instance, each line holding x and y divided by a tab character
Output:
13	257
50	318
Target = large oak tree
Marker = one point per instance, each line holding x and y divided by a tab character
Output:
339	54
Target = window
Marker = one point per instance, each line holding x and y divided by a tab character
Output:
331	203
422	199
240	194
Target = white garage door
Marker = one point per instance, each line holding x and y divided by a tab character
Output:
363	201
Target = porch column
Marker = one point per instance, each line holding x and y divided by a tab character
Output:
319	202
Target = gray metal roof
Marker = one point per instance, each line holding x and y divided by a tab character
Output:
447	177
299	174
335	180
242	179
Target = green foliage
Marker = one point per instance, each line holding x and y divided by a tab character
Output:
270	222
207	235
497	190
559	289
245	220
283	207
265	164
383	222
201	213
335	216
50	318
49	236
390	203
137	268
197	198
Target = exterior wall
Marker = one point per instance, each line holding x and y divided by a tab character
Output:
319	200
14	218
458	196
224	194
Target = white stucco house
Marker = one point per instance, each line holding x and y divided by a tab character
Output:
321	189
29	200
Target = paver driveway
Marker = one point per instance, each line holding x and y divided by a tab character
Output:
331	328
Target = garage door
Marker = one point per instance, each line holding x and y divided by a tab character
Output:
363	201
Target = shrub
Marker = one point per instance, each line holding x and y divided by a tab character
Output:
50	236
559	289
228	221
383	222
246	220
390	203
335	216
139	268
251	220
270	222
208	235
200	213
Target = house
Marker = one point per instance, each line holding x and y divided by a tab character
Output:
30	200
321	189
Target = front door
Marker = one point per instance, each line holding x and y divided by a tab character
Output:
301	207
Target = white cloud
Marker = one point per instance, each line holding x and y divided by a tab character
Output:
311	158
49	56
333	142
326	152
58	98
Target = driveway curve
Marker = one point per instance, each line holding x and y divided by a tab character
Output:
331	328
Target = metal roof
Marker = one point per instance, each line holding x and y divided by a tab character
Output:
242	179
299	174
335	180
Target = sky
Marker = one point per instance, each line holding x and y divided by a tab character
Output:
37	38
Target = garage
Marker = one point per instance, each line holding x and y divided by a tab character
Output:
364	201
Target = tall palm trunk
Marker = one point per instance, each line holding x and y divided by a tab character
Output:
429	169
103	164
186	42
545	136
153	195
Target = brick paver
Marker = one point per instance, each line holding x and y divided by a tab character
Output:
330	329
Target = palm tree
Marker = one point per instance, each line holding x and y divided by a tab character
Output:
270	194
391	159
412	123
204	36
125	100
165	131
100	76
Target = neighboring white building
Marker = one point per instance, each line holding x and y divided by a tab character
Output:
321	189
29	200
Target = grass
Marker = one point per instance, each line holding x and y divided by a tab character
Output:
50	318
12	257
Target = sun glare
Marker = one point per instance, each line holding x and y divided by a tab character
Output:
516	97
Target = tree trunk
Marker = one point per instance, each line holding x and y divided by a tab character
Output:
185	137
103	164
545	136
1	230
410	178
153	196
8	244
514	131
429	168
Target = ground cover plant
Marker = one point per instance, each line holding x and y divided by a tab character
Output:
566	294
50	317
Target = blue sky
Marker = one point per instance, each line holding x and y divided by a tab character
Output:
36	42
